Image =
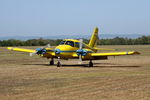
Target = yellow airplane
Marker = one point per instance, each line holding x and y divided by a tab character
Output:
74	49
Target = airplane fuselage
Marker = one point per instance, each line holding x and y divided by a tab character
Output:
68	48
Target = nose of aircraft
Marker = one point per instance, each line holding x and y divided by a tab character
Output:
57	51
81	52
64	48
41	51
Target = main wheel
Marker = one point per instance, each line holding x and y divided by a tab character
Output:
90	64
58	64
51	62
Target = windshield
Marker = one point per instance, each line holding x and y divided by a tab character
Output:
62	42
71	43
77	44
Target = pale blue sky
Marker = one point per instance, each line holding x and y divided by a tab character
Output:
50	17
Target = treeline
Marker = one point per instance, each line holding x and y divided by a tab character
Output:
31	42
144	40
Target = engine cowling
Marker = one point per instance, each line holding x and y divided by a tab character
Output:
57	51
41	50
81	52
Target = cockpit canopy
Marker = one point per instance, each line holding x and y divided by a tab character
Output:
71	43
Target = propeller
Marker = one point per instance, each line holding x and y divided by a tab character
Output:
41	50
33	53
47	46
80	46
81	52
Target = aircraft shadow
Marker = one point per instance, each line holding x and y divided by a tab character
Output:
100	65
63	65
117	66
37	64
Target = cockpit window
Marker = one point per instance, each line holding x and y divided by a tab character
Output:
62	42
77	44
71	43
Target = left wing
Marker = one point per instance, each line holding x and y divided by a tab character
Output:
114	53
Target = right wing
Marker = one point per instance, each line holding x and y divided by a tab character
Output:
21	49
49	52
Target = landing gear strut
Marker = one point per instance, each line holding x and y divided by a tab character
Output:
51	62
90	63
58	63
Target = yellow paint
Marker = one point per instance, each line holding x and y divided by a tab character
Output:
94	38
20	49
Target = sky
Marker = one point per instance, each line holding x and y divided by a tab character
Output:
65	17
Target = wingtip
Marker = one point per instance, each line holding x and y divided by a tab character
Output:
136	52
9	48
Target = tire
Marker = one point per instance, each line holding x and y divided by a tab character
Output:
58	64
90	64
51	63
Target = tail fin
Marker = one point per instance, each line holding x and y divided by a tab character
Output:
94	38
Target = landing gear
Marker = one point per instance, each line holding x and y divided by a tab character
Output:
58	63
51	62
90	63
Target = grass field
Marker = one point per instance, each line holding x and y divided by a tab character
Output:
31	78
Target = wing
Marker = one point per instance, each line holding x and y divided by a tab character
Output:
21	49
103	56
114	53
49	53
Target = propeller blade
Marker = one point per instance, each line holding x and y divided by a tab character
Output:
80	47
48	45
80	59
81	43
31	54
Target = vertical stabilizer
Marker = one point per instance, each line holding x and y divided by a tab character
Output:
94	38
